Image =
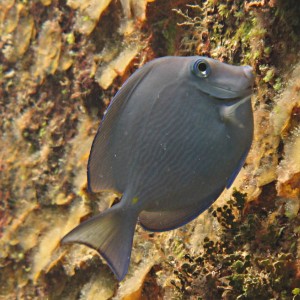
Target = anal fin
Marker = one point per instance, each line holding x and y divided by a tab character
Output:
172	219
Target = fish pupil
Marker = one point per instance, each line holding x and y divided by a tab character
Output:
202	67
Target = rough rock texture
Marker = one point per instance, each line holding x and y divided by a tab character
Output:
60	64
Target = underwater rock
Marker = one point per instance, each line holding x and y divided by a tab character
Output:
46	2
145	257
16	30
106	74
43	256
89	12
48	50
286	121
98	288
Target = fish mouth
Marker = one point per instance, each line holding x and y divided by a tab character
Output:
234	93
223	93
231	95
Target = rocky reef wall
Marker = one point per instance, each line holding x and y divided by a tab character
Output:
60	64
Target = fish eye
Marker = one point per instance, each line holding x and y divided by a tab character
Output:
201	68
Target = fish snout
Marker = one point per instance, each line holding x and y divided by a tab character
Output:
248	72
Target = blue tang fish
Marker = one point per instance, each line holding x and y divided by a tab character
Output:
174	137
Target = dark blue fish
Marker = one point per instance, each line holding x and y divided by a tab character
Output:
173	138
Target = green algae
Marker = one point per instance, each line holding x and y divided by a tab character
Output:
237	266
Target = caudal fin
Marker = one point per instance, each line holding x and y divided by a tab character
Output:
111	234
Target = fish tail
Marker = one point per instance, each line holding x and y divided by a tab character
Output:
111	234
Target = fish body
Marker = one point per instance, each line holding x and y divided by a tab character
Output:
173	138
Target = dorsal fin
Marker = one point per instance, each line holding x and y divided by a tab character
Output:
100	163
